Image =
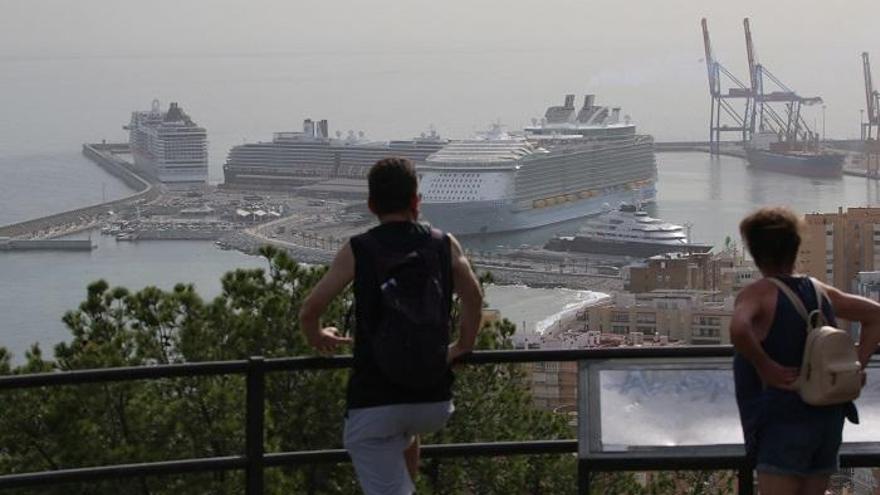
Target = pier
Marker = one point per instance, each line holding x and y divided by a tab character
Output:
72	221
7	244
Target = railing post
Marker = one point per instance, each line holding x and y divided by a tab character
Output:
255	417
745	481
584	476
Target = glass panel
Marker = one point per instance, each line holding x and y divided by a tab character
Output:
686	403
868	429
667	407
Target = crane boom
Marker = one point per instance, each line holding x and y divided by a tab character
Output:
750	52
870	94
710	60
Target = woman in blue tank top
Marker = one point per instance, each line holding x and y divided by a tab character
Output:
793	445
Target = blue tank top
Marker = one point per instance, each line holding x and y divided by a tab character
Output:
784	344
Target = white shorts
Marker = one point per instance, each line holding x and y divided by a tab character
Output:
376	437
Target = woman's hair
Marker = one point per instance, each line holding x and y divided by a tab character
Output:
773	237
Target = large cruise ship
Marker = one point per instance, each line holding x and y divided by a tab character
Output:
169	146
299	158
566	166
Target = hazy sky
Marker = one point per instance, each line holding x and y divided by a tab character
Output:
62	27
639	51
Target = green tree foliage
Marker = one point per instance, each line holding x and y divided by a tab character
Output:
255	314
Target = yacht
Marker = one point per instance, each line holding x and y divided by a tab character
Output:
627	231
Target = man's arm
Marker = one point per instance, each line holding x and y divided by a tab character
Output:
468	289
743	335
860	309
340	274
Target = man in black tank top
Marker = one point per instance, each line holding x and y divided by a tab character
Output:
392	398
794	445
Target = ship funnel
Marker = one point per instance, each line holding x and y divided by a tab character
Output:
323	129
569	101
309	128
589	100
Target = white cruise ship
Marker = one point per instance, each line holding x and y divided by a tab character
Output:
294	159
627	231
564	167
169	146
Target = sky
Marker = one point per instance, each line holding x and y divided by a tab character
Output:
650	50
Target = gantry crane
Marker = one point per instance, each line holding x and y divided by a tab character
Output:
721	102
872	96
788	123
871	127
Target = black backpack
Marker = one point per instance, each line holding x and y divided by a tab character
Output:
410	335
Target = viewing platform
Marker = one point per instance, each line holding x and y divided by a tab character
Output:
638	409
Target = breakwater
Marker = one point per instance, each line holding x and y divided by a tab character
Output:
7	244
79	219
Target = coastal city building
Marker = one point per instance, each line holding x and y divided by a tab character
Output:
726	272
691	316
868	284
554	384
838	246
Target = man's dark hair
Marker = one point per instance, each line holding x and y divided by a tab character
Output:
773	236
393	184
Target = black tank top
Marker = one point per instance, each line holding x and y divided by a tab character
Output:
367	387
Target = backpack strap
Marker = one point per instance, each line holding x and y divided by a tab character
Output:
821	297
792	297
808	316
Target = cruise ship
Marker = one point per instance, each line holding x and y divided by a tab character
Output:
628	231
294	159
169	146
565	166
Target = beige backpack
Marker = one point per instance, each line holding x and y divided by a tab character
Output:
830	372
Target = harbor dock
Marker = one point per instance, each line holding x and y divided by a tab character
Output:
7	244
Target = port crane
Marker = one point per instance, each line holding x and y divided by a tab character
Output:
724	117
872	125
767	94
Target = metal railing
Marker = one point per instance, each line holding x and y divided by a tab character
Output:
254	460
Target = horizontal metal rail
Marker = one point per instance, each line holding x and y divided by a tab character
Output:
151	372
255	460
121	471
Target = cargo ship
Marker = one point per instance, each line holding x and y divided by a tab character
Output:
563	167
766	152
627	231
168	146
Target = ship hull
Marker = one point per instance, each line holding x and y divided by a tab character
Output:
580	244
818	165
484	217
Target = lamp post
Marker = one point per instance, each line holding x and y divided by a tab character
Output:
823	123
